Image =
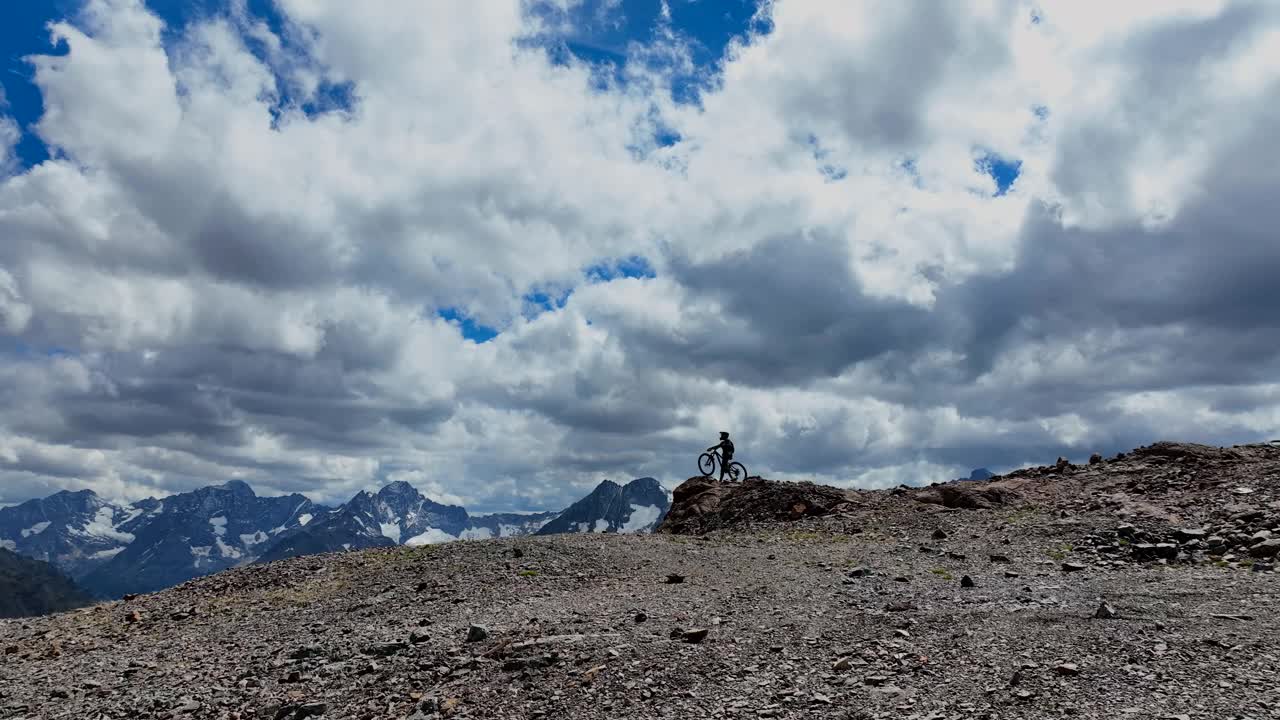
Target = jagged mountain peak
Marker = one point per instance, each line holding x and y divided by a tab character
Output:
645	483
635	508
399	488
86	493
238	487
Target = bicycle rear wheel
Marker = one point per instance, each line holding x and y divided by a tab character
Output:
737	471
706	464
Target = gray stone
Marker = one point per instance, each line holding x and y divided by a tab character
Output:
695	635
1266	548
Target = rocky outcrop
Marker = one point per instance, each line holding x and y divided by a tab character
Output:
703	504
967	495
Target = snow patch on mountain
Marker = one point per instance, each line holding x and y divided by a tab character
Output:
256	538
226	550
303	519
642	519
430	537
219	525
391	530
107	554
476	533
9	545
602	525
200	553
103	525
36	529
131	513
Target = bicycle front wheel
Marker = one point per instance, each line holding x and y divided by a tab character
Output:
707	464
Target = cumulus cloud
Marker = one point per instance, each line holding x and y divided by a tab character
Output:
235	261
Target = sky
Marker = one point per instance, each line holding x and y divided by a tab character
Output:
506	250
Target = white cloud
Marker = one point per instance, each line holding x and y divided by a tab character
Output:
207	282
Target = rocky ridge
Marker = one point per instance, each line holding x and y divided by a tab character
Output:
887	604
703	504
32	587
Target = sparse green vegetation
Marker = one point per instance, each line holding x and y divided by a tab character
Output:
1060	553
304	595
943	573
811	536
528	573
1023	516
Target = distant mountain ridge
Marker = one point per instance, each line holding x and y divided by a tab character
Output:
112	549
32	587
199	533
637	507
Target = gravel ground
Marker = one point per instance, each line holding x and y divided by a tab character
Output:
862	614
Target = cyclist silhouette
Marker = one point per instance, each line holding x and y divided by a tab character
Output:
726	452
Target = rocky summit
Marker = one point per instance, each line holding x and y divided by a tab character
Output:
1137	586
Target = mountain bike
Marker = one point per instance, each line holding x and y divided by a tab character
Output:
707	462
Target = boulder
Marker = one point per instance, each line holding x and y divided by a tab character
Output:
1266	548
967	496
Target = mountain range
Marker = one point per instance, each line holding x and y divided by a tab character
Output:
113	549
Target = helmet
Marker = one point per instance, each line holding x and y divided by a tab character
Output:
724	434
